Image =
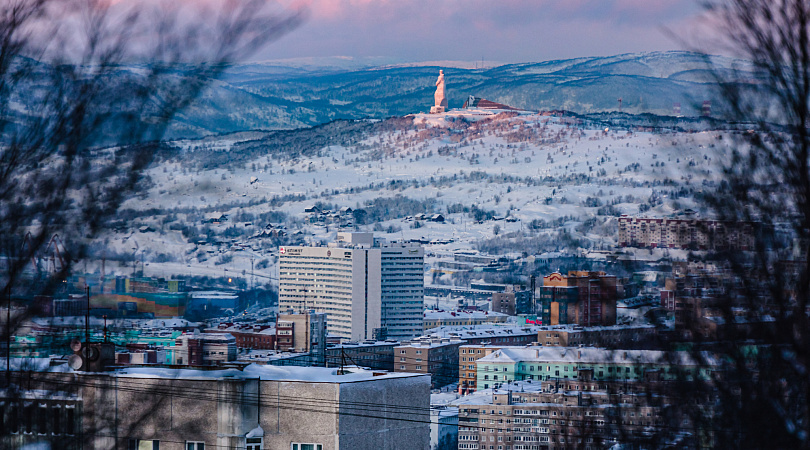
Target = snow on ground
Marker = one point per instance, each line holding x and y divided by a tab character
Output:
527	166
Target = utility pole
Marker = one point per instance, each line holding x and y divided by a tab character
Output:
87	318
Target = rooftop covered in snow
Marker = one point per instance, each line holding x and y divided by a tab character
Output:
265	373
432	314
484	330
586	355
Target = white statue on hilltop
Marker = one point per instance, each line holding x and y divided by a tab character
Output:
439	97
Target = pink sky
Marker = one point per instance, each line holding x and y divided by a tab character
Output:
497	30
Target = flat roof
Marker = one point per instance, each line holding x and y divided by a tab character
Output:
264	373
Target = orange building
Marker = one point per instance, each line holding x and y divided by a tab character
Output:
582	298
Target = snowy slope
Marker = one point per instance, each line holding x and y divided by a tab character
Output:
549	175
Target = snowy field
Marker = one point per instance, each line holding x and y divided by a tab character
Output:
526	167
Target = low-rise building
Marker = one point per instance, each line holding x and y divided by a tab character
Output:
140	354
582	298
575	363
376	355
431	355
643	336
503	335
435	318
531	415
468	355
249	336
201	349
276	358
504	303
302	332
260	407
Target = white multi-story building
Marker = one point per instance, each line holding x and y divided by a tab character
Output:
367	287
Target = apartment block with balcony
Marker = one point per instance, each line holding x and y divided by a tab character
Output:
531	415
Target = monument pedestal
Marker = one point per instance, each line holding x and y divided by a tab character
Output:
437	109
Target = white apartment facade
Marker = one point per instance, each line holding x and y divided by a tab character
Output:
368	288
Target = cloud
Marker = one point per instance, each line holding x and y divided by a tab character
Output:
506	30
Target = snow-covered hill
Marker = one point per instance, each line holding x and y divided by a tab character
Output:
505	183
291	94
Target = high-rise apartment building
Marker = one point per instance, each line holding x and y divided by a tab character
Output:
367	287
